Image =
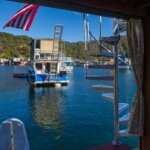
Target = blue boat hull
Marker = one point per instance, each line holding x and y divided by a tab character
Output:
47	79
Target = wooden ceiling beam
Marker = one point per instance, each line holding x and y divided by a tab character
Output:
143	5
123	8
104	8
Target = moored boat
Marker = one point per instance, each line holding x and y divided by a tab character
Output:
20	72
47	72
123	62
123	65
69	63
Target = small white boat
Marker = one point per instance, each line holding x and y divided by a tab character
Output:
13	135
69	63
123	62
123	65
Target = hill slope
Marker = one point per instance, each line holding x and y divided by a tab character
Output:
18	46
14	46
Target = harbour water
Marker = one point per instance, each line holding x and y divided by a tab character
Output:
73	117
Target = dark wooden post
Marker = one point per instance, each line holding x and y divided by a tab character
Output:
145	140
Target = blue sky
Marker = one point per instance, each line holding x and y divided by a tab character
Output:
46	18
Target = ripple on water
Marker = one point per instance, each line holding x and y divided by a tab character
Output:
70	118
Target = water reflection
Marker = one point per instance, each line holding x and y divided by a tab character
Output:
46	105
127	71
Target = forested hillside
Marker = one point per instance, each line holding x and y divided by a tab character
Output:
14	46
18	46
76	49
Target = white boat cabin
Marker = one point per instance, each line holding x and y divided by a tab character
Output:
51	67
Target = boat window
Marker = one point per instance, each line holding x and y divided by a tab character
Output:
68	63
38	44
37	57
47	67
38	66
42	56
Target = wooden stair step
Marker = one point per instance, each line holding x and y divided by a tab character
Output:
104	54
102	66
100	77
102	87
124	119
122	107
108	96
110	39
125	133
